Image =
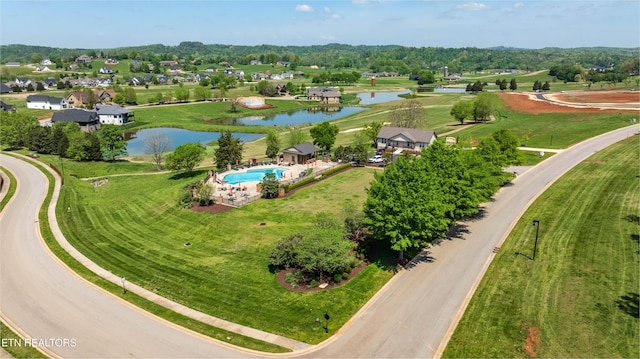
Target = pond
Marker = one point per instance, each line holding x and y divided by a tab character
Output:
136	139
310	115
369	98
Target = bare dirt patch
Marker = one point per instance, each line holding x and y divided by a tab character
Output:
532	342
303	285
524	103
213	209
599	97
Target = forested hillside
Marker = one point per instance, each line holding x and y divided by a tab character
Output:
376	58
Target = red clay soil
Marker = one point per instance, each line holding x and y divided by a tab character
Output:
532	342
608	96
522	103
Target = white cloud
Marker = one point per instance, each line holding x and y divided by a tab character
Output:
472	6
304	8
331	14
518	5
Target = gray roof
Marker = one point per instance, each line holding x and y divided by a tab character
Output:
4	88
413	134
111	110
302	149
44	98
7	107
323	92
75	115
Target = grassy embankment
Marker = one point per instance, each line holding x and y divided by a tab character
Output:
134	227
13	344
12	185
579	298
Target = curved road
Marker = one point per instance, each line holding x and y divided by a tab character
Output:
413	316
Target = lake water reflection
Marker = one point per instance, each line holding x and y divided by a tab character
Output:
311	115
370	98
136	139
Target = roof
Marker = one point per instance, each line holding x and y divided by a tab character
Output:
302	149
75	115
412	134
323	92
6	107
44	98
111	110
4	88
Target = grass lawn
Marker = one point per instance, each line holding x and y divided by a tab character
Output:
15	345
12	185
579	298
134	227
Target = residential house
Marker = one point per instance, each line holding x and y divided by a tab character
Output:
12	63
83	59
405	138
104	82
327	95
199	77
111	62
46	62
73	67
46	102
105	70
87	120
135	81
113	114
168	63
283	63
105	96
7	107
174	68
256	62
147	79
211	69
300	154
224	63
42	69
80	98
259	76
49	82
22	81
162	79
4	88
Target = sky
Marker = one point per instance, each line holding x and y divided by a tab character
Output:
530	24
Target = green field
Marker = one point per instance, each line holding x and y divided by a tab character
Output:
134	227
579	298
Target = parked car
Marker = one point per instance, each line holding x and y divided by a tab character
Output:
379	151
376	159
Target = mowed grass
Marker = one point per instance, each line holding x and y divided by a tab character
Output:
134	227
579	298
11	186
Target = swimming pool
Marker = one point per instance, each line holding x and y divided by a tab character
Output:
254	175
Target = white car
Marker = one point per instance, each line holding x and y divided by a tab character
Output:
376	159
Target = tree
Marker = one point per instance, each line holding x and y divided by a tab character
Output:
503	85
185	157
324	135
270	185
182	94
59	139
404	208
129	95
92	147
14	127
546	86
90	98
156	145
204	191
39	139
273	144
537	86
112	142
409	114
372	130
462	110
296	137
508	144
485	105
39	86
229	151
201	93
513	85
426	77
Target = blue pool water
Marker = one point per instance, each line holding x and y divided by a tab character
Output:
254	175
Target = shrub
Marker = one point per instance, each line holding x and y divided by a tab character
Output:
345	275
335	169
291	279
337	277
305	181
313	284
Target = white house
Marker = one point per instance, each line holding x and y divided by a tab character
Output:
405	138
113	114
105	70
46	102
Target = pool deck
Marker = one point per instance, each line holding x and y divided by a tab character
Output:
291	173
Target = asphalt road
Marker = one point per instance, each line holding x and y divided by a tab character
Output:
411	318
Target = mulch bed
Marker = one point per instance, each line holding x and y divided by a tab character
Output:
214	208
303	288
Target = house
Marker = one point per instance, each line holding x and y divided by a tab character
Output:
199	77
327	95
168	63
46	62
4	88
46	102
49	82
7	107
105	70
83	59
42	69
135	81
162	79
300	154
105	96
87	120
405	138
256	62
22	81
12	63
211	69
113	114
283	63
111	62
73	67
104	82
80	98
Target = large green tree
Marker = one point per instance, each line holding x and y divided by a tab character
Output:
296	137
40	140
324	135
372	129
112	142
229	151
462	110
270	185
14	127
485	106
185	157
273	144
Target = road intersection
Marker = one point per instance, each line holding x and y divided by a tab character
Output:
413	316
